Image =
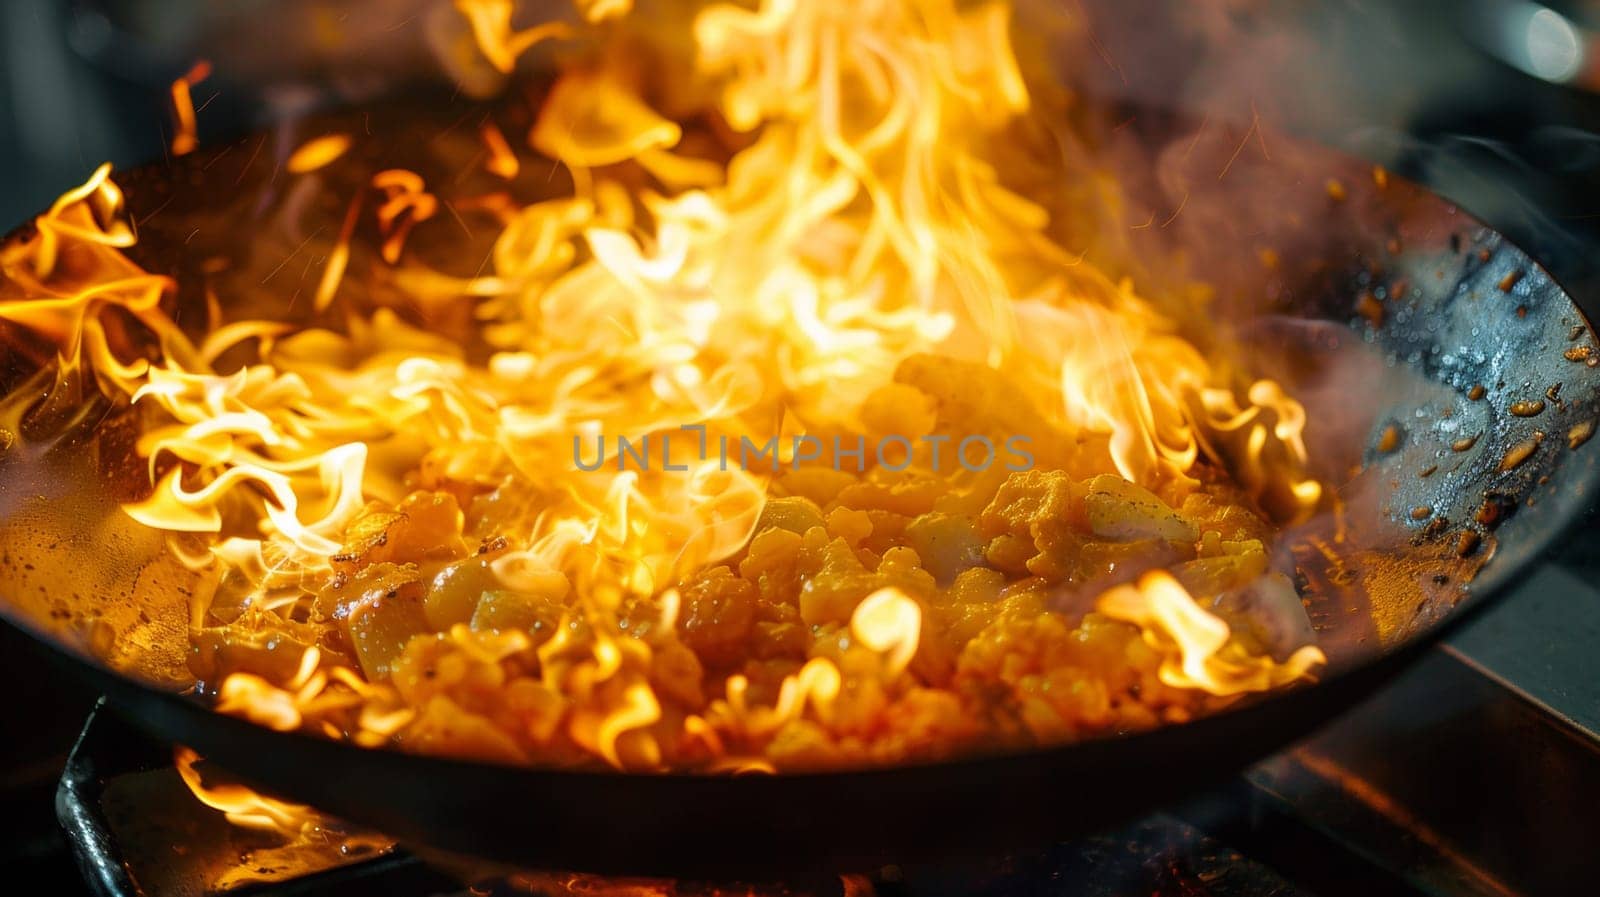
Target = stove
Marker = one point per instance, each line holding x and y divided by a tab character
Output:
1476	773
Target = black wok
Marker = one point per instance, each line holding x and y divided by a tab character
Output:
1386	402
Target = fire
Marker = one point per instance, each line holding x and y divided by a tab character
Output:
502	159
243	806
491	28
1196	645
404	205
889	622
301	841
789	221
185	138
318	152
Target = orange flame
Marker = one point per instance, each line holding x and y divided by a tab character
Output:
318	152
502	161
405	205
243	806
185	138
889	622
491	27
1196	645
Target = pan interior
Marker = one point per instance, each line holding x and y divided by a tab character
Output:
1417	411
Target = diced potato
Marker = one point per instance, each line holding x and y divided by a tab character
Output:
947	545
1035	523
1031	498
772	563
258	642
385	613
454	592
442	726
816	482
432	528
424	526
887	530
935	660
900	410
904	496
1118	509
1212	545
1224	512
500	609
902	568
1268	614
1009	553
339	595
364	539
716	615
676	673
1214	575
979	584
972	602
1059	552
794	514
1243	547
832	593
1108	562
849	524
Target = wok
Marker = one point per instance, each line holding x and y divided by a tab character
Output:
1290	258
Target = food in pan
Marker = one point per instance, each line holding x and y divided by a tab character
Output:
819	421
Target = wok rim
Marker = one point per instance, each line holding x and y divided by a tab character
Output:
161	713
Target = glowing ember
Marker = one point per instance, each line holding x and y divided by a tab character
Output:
502	160
799	434
185	139
318	152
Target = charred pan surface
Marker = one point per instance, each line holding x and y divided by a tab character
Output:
1506	440
1450	382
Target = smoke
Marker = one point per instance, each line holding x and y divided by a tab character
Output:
1259	148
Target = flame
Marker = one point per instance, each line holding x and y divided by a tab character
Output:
185	138
785	220
889	622
318	152
1196	645
305	841
243	806
405	205
502	161
491	27
338	258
